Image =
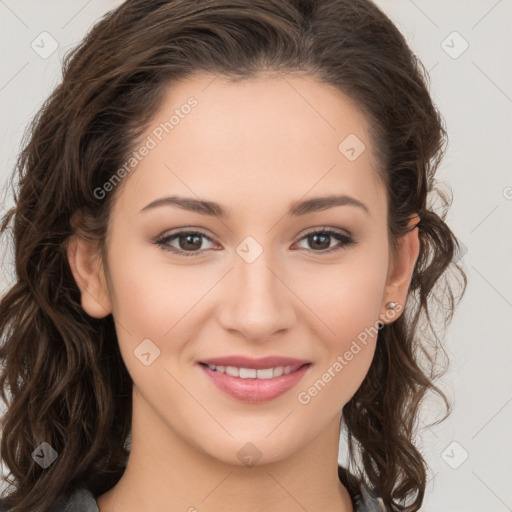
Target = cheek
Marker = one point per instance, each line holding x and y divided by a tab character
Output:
346	298
347	301
151	296
151	301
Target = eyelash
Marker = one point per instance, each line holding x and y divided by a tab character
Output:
344	239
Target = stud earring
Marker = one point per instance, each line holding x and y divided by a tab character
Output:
391	305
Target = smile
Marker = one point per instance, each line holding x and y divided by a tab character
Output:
254	385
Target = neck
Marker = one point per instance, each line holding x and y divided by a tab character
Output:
164	472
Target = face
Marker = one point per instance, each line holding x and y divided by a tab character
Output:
268	271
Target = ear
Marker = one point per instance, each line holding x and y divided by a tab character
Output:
87	268
400	271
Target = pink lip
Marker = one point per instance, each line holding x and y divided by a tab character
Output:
256	390
258	364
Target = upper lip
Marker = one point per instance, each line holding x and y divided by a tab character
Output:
257	364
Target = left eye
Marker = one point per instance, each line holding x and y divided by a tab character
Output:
190	242
318	239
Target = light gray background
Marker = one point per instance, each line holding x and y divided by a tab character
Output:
474	93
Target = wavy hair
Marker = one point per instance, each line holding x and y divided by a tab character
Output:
62	376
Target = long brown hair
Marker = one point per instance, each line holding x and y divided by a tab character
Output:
63	377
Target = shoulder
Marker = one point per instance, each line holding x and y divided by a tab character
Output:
80	500
363	498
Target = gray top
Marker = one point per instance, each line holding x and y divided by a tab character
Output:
82	500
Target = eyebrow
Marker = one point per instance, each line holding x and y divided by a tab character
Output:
296	209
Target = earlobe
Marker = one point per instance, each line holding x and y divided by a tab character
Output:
401	270
87	269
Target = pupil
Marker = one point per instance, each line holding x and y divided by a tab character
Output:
319	245
188	238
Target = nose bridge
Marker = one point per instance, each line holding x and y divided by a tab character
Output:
259	303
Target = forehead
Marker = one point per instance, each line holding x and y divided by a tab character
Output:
272	136
273	109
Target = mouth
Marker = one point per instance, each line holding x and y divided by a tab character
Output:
255	382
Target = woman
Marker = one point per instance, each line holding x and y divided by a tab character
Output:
224	256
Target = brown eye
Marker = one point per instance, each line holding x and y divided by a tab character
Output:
320	240
189	243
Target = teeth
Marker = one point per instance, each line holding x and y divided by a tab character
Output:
265	374
248	373
278	371
232	370
251	373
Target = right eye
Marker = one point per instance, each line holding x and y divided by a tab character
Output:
189	242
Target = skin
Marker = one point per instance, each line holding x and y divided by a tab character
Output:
255	147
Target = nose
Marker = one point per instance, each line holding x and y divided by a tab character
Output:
257	302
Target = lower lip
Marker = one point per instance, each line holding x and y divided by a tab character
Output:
255	390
